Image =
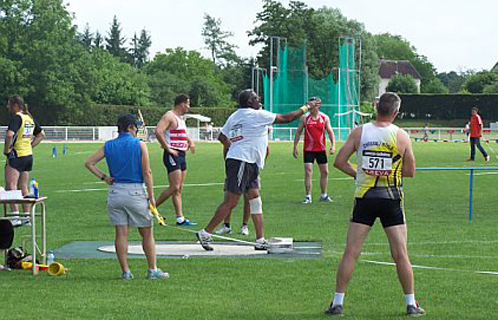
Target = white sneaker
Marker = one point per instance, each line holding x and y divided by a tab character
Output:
261	244
224	230
16	222
307	200
326	199
244	230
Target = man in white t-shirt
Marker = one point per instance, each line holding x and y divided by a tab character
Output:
245	139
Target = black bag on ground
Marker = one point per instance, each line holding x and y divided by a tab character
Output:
16	256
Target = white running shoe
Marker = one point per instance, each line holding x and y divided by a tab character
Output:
224	230
307	200
326	199
244	230
16	222
261	244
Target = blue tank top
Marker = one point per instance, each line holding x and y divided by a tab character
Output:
124	159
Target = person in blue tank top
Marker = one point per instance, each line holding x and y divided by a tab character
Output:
128	201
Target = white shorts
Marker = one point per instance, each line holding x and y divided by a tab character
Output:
127	204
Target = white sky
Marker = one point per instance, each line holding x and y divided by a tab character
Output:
453	34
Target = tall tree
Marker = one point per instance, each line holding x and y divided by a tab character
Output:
479	81
320	30
86	37
140	49
98	41
222	52
115	42
179	70
454	80
395	47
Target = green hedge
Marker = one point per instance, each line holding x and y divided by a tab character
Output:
106	115
431	107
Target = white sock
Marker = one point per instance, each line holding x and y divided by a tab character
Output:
15	213
410	299
308	196
324	195
262	239
338	299
180	219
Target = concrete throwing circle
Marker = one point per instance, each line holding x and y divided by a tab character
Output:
191	249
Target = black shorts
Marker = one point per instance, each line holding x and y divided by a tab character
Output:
173	163
21	164
320	156
389	211
241	176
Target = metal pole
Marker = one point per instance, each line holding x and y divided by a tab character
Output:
470	194
252	78
271	74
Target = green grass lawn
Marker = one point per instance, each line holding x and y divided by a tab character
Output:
440	236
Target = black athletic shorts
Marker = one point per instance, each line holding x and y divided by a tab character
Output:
390	212
320	156
173	163
241	176
21	164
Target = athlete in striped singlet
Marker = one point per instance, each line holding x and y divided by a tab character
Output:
171	132
385	156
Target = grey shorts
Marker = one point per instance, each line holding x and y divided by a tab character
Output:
127	204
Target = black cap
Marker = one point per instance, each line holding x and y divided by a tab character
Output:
125	120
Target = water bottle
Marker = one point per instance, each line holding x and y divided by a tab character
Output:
36	190
50	256
32	187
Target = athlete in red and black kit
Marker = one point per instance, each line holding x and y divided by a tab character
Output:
315	124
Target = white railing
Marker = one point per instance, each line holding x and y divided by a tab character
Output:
89	134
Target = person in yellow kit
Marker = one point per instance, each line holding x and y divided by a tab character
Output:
23	134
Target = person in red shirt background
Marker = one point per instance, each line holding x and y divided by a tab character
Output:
475	135
315	147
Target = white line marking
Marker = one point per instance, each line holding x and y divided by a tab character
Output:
431	268
451	256
483	173
437	242
337	179
155	187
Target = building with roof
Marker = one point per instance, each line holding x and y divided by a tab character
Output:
389	68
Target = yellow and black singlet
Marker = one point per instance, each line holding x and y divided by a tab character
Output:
24	128
379	164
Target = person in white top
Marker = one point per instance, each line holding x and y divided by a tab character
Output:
385	156
245	139
171	132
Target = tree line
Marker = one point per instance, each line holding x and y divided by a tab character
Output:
52	63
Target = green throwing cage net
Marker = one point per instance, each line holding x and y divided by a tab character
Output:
290	86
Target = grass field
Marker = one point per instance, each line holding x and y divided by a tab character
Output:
227	288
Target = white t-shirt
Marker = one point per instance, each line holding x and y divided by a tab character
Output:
247	130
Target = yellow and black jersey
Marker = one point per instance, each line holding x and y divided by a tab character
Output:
379	164
24	128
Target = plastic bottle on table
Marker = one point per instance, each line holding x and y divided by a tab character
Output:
33	188
36	190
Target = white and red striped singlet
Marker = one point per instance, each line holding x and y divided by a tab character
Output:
314	133
177	138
